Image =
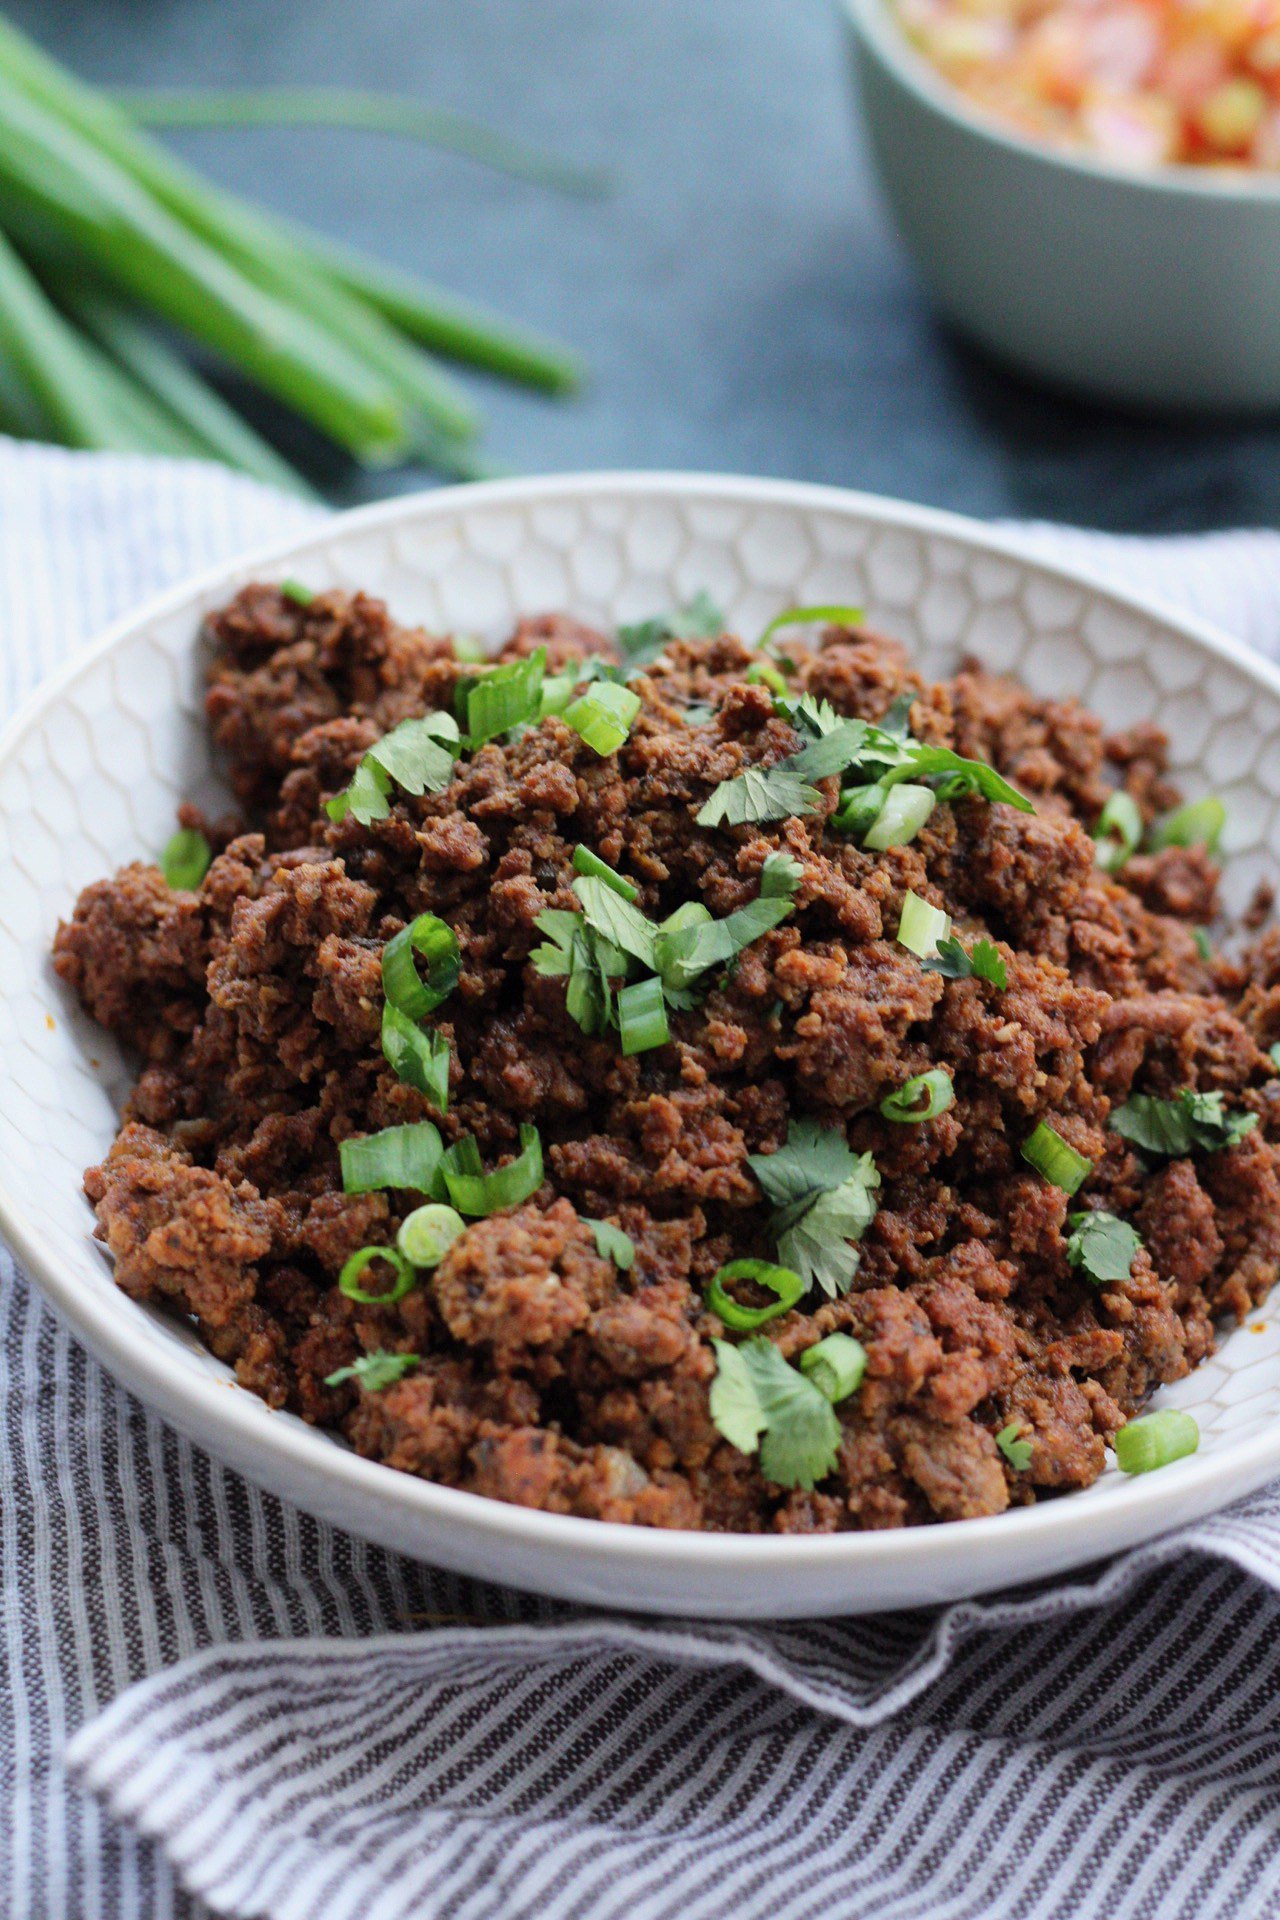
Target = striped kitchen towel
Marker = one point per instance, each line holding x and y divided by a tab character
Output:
213	1702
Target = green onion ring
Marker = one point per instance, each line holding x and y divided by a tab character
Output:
428	1233
1050	1155
349	1278
783	1281
479	1194
904	1104
438	945
642	1017
835	1365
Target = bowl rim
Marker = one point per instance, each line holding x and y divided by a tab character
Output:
873	23
239	1418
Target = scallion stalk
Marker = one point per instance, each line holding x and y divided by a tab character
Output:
1155	1440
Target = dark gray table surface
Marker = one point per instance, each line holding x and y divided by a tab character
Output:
739	296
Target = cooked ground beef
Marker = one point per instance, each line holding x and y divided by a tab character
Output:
548	1376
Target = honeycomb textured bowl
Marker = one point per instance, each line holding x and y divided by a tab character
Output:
90	776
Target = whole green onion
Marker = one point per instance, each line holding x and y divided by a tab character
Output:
835	1365
349	1278
923	1097
781	1281
1154	1440
428	1233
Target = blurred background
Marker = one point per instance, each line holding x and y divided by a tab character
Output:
738	294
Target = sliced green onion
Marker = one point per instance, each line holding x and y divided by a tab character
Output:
1050	1155
923	1097
1155	1440
1118	832
479	1194
642	1017
428	1233
438	945
349	1278
603	715
1204	945
860	808
1015	1448
594	868
921	926
805	616
782	1281
764	673
294	590
505	697
186	859
1273	1055
419	1058
403	1157
469	648
1198	824
905	810
835	1365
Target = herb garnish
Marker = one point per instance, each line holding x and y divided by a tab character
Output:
823	1198
756	1393
642	642
374	1371
983	960
1017	1452
612	1243
1190	1122
1102	1245
418	756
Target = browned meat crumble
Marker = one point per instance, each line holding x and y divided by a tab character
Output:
547	1376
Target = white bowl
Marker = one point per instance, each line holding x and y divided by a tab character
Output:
1159	289
90	775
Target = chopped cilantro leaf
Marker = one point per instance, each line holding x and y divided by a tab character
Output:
374	1371
682	953
823	1196
418	756
1189	1123
613	1244
617	920
1102	1245
756	1393
780	876
756	794
643	642
1017	1452
984	961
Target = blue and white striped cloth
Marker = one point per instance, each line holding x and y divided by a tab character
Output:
212	1702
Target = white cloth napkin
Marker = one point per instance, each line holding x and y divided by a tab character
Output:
208	1697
